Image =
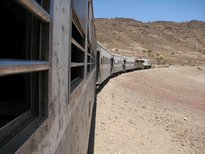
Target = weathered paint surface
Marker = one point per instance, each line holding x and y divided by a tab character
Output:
76	136
67	127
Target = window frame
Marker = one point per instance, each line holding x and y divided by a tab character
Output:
79	66
30	120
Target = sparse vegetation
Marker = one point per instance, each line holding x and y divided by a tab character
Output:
154	39
149	51
157	54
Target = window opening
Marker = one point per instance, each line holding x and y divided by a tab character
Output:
23	67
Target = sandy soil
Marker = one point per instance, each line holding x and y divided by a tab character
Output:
159	111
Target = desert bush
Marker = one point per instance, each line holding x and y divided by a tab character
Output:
149	51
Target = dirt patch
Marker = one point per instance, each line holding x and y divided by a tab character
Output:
160	110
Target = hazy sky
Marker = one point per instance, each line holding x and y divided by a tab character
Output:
151	10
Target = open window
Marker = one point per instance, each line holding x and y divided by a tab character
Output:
77	53
23	65
88	59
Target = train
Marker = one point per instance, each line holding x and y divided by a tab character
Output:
109	64
50	62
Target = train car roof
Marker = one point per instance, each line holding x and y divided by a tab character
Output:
98	43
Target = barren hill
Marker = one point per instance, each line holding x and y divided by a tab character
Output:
162	42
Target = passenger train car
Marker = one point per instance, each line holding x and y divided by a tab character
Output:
139	63
117	62
129	63
50	62
146	63
109	64
47	75
103	63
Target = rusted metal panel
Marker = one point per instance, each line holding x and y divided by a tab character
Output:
80	8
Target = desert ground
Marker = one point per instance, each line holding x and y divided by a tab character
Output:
155	111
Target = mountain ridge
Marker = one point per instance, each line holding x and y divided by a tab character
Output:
164	42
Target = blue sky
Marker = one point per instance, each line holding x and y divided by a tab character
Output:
151	10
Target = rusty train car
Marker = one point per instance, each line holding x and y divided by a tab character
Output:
50	62
47	75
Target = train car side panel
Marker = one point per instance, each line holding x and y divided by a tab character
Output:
130	63
56	123
105	64
69	110
117	64
75	138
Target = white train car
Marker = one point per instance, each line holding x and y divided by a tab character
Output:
103	63
139	64
117	63
146	63
129	63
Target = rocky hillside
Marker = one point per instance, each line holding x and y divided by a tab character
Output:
162	42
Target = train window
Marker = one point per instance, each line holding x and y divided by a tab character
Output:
92	60
77	53
23	66
77	66
76	35
89	56
105	60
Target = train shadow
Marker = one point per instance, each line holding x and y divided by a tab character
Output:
102	85
91	143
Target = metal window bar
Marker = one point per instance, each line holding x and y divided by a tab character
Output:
8	67
89	55
74	42
77	64
77	23
33	7
90	63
